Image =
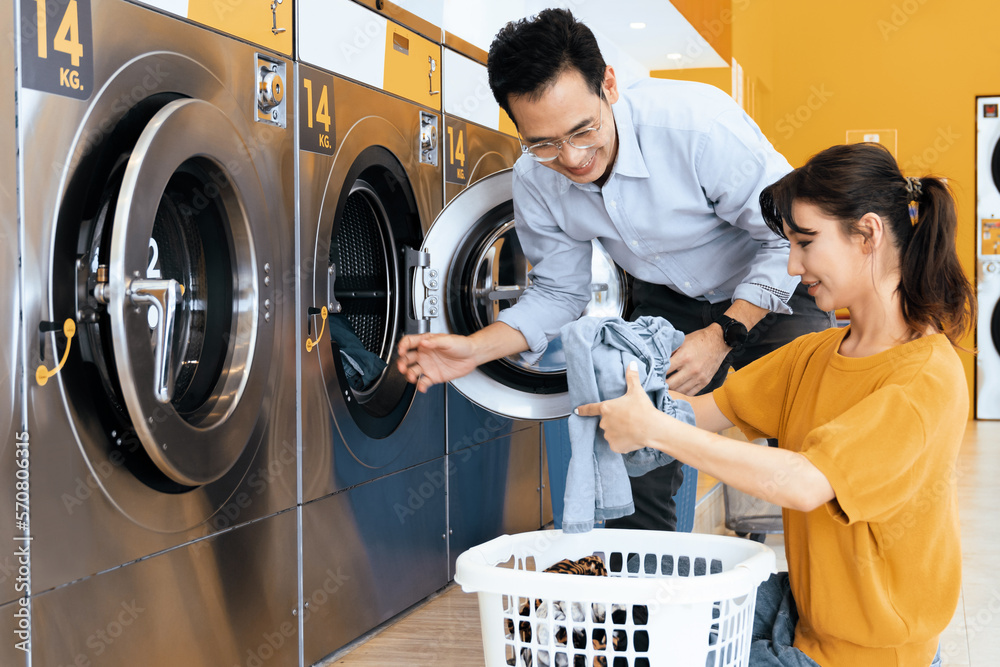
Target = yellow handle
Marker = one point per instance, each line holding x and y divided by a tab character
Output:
310	343
42	374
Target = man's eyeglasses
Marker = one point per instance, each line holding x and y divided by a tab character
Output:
586	138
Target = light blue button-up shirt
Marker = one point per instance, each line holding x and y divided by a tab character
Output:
680	208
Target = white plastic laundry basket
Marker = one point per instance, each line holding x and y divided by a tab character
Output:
673	599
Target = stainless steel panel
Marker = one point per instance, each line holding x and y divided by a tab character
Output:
493	489
371	552
337	452
226	600
470	424
10	305
90	511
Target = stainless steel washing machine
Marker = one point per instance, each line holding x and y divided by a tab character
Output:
988	257
495	466
370	179
156	177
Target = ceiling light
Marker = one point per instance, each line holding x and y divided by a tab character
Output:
675	56
637	25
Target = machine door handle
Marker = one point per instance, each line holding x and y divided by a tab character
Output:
163	295
274	18
430	75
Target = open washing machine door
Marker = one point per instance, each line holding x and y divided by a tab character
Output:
475	269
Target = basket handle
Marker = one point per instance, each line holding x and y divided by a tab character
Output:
759	565
467	573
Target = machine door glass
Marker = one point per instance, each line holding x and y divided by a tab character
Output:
168	296
995	166
476	269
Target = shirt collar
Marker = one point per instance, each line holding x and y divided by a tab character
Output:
629	160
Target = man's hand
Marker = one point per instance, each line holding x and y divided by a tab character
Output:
427	359
695	362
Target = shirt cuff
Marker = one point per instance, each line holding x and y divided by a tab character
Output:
764	296
538	342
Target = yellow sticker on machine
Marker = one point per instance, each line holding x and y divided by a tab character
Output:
268	24
412	66
991	236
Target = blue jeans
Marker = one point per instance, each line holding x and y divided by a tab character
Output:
653	492
774	620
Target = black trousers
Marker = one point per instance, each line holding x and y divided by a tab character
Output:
653	493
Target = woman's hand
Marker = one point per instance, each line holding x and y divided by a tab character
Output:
626	420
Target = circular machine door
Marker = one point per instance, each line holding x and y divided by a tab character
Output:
173	324
369	223
477	269
995	166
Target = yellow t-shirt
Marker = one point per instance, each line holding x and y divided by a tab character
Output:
876	572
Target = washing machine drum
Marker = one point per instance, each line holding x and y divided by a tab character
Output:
172	314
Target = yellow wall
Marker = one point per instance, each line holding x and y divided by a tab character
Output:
911	65
915	66
713	21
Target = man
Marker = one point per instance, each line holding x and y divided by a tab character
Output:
667	176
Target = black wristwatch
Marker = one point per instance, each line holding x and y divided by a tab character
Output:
734	332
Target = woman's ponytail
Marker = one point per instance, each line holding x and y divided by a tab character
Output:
933	288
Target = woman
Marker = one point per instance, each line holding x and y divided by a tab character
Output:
869	418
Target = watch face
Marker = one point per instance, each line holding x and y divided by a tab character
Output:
735	333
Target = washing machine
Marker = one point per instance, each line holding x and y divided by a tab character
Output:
988	257
496	482
156	183
370	184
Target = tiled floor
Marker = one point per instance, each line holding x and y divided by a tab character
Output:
444	631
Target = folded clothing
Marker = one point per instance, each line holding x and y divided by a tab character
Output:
598	351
